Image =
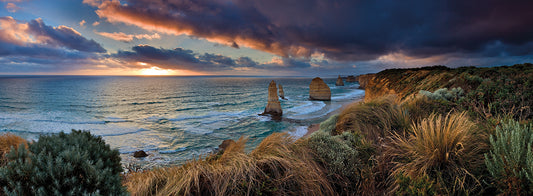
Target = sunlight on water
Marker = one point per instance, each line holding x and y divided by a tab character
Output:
173	118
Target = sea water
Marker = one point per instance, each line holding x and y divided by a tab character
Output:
174	119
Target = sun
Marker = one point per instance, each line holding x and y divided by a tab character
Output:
155	71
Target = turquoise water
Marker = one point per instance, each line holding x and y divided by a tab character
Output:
172	118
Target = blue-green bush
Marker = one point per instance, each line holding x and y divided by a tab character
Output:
507	161
64	164
444	94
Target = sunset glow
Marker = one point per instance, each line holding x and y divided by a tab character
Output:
156	71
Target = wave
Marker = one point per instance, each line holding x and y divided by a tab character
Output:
173	151
299	132
308	107
125	133
208	115
353	94
73	122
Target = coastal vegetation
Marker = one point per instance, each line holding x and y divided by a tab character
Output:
423	131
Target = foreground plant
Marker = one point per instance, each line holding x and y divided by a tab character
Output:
440	147
64	164
508	161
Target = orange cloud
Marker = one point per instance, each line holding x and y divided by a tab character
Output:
120	36
82	22
11	7
256	36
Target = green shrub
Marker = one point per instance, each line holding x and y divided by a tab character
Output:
328	126
64	164
444	94
507	160
418	186
340	157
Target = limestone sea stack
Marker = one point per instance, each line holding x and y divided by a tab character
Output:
339	82
273	106
281	93
351	79
318	90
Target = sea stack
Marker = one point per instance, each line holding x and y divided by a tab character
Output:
351	79
318	90
273	106
339	82
281	93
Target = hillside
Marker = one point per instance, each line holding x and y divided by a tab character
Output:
424	131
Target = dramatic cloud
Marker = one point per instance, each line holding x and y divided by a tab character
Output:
42	47
120	36
182	59
344	30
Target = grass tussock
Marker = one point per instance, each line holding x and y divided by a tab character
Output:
442	147
277	166
7	141
375	119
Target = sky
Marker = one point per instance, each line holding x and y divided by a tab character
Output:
259	37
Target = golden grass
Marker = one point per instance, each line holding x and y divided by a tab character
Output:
438	146
8	140
375	119
277	166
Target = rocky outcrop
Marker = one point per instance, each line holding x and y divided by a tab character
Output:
364	79
281	93
339	82
140	154
318	90
351	79
273	106
225	144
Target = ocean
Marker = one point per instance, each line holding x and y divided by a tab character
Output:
173	119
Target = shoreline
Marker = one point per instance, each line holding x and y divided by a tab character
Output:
316	126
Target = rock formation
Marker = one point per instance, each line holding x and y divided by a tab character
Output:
318	90
339	82
273	106
140	154
281	93
351	79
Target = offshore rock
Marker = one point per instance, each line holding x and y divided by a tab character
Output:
281	93
273	106
351	79
318	90
140	154
339	82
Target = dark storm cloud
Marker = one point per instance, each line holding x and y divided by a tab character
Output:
180	58
64	36
35	46
351	30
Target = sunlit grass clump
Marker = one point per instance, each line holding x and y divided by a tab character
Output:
375	119
439	146
8	141
278	166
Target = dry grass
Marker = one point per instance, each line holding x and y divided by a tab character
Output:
277	166
8	140
375	119
441	147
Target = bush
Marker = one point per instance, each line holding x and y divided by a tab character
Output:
441	147
508	161
63	164
8	141
444	94
328	126
340	157
418	186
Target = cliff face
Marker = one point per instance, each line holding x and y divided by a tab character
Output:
405	82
